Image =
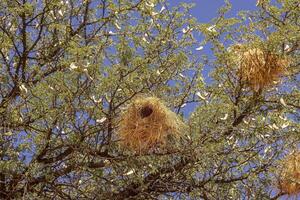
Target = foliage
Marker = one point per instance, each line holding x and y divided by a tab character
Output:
69	68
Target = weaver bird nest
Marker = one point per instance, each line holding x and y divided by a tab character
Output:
289	176
148	123
259	68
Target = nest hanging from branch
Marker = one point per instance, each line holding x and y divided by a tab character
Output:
289	176
147	123
260	69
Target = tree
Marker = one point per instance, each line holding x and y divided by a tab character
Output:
69	69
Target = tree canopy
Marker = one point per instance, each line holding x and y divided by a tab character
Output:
69	69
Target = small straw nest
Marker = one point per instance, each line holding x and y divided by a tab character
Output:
148	123
260	69
289	176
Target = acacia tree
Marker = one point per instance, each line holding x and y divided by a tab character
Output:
69	68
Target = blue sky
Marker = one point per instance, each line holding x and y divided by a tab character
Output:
205	10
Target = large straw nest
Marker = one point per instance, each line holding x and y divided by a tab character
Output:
147	123
260	68
289	176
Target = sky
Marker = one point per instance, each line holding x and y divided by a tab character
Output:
205	10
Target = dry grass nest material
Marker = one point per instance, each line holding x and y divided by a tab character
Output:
260	69
289	176
147	123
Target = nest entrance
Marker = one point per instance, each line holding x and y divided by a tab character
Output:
146	111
